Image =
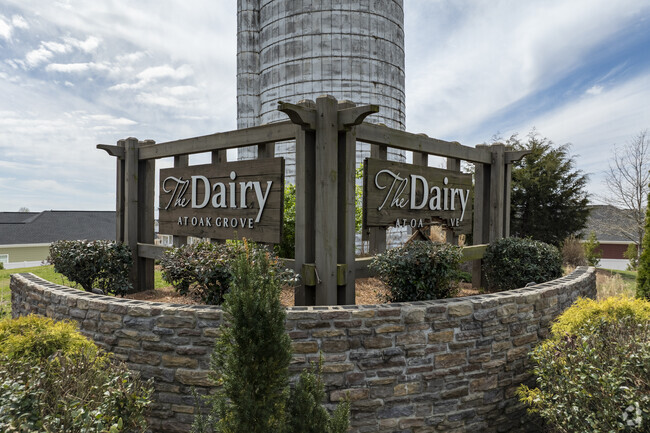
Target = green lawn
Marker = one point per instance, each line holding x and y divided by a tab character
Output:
47	273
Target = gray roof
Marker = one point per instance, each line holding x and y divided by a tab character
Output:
606	221
49	226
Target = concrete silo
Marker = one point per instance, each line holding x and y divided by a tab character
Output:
300	49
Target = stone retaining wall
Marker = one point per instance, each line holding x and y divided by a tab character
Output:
446	365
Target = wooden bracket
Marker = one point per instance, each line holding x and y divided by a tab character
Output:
349	117
117	151
299	115
515	155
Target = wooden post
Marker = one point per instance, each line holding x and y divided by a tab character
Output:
326	208
131	189
347	145
480	233
146	190
497	192
119	196
377	235
305	294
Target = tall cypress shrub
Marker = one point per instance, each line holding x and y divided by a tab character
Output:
643	275
250	363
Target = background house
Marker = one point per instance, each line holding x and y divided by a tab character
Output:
609	223
25	237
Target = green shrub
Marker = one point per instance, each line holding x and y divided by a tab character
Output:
593	374
306	413
204	269
287	246
252	355
418	271
573	253
2	266
33	337
101	264
510	263
632	254
593	253
62	382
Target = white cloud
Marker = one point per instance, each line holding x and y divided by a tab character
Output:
76	67
36	57
594	90
56	47
19	22
489	55
165	71
6	29
89	45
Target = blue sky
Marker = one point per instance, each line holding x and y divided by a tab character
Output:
77	73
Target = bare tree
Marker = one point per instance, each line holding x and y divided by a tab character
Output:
627	181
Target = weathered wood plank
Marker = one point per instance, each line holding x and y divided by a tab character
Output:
273	132
497	192
326	205
305	294
150	251
378	134
224	201
347	201
397	191
146	192
131	203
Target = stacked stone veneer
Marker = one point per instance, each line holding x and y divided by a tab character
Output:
447	365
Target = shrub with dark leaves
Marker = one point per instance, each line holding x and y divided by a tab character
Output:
418	271
94	264
204	269
511	263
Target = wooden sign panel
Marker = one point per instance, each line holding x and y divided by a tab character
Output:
234	200
398	194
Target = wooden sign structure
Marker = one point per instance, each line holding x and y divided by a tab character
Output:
232	200
397	194
326	133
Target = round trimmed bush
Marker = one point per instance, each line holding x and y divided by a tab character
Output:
511	263
52	379
418	271
34	337
593	373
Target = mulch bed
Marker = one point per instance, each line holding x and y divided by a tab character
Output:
368	291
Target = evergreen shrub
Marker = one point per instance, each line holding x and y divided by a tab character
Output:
61	382
250	363
593	373
94	264
643	275
511	263
418	271
593	253
204	269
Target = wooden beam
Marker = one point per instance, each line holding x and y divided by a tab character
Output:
514	156
378	134
112	150
299	114
273	132
150	251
